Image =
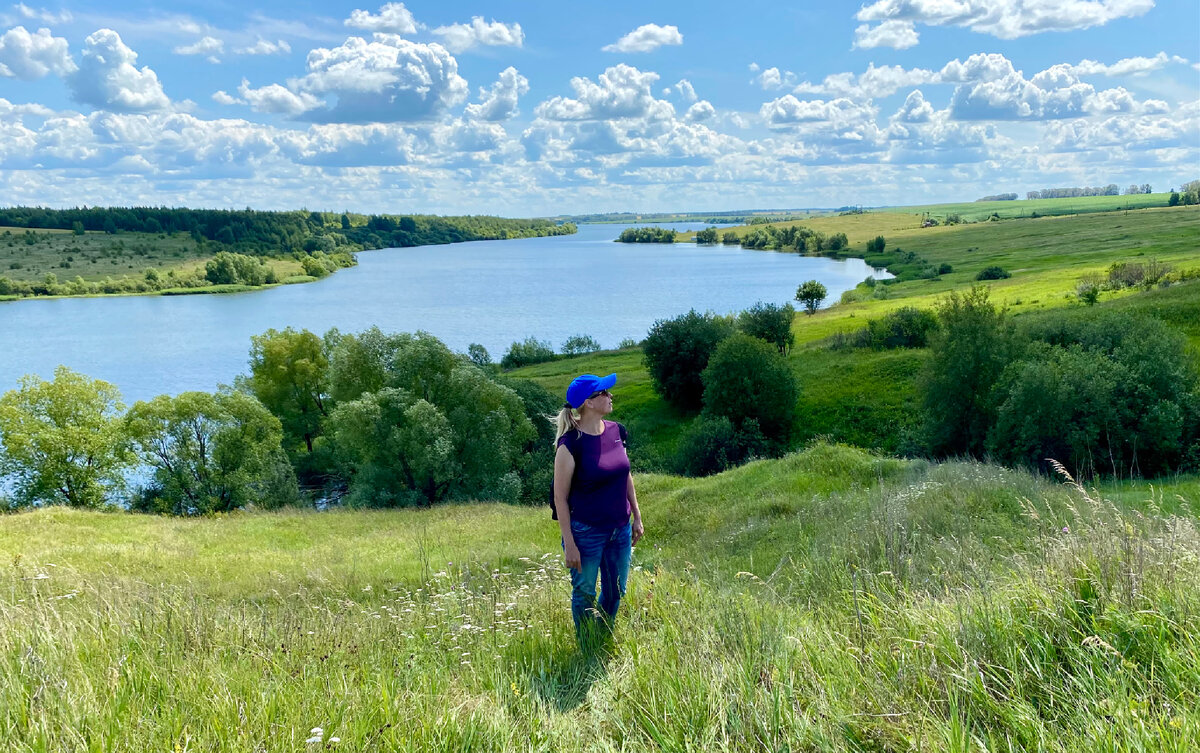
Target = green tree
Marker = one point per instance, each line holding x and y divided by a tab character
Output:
770	322
464	441
968	352
288	373
345	221
747	379
676	352
707	236
577	345
479	355
730	238
713	444
63	441
211	452
528	351
811	294
77	227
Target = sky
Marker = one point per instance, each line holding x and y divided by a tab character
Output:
538	108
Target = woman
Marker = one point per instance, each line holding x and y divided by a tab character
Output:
595	501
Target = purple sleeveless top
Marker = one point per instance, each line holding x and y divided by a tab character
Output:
599	487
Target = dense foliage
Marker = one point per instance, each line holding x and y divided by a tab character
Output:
676	352
526	352
972	346
261	232
1109	394
748	380
210	453
770	322
712	444
906	327
62	441
647	235
1106	393
707	236
992	273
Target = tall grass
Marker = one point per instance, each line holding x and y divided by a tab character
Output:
829	600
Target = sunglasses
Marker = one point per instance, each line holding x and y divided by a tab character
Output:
601	393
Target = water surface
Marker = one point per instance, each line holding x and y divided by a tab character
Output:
488	292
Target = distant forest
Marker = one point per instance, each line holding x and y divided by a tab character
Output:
270	233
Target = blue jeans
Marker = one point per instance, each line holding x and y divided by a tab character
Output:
603	551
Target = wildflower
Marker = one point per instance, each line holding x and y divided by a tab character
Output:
334	740
317	735
1066	529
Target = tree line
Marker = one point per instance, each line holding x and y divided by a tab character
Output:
266	232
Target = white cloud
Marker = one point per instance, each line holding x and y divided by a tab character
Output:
265	47
386	80
978	67
700	112
462	37
897	34
41	15
837	113
773	78
1135	66
1006	19
500	101
223	97
646	38
872	83
393	18
621	92
31	56
915	109
108	79
685	89
278	99
210	47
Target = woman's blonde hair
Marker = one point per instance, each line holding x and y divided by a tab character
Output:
565	421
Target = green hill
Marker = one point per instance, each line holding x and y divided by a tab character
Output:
829	600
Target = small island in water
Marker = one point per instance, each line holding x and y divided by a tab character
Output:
171	251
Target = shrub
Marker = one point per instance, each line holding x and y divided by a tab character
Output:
1087	290
707	236
526	352
579	344
676	352
944	269
992	273
769	322
627	343
906	327
730	238
1108	393
712	444
747	379
973	344
876	245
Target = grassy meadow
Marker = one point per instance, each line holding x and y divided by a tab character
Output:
861	396
830	601
30	255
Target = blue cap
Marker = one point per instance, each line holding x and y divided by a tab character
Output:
585	385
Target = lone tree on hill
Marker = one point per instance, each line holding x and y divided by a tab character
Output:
811	294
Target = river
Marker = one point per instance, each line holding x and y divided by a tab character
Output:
488	292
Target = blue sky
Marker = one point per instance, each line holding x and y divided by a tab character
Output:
537	108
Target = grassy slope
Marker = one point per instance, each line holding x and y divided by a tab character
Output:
856	396
99	255
829	600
